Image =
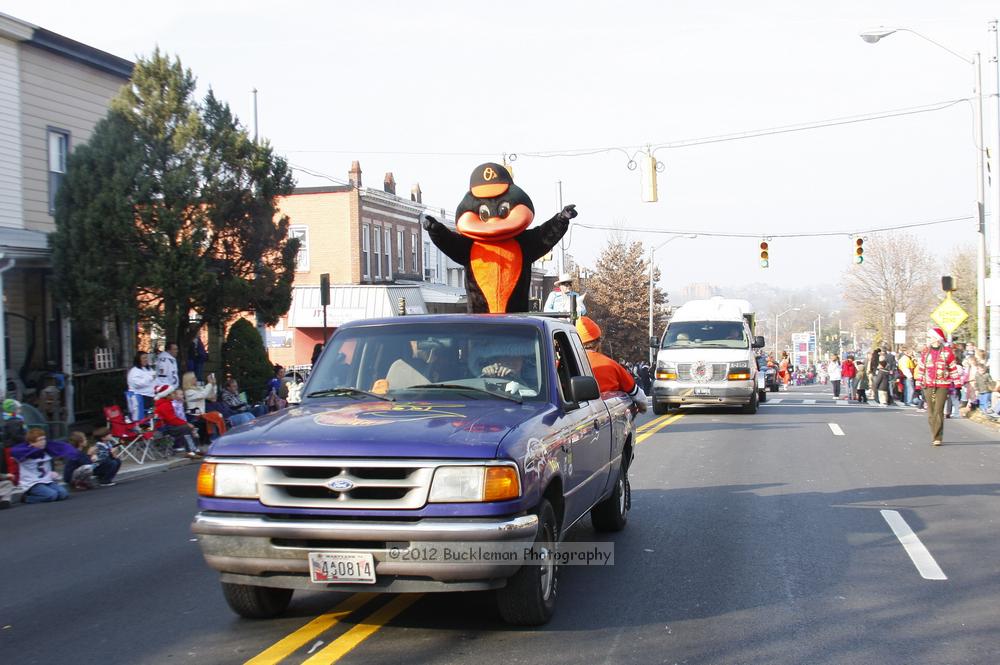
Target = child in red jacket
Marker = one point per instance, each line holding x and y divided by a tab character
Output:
8	477
173	423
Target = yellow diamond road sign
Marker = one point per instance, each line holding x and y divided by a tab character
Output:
949	315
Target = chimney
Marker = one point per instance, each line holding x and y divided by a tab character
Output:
354	175
389	183
416	194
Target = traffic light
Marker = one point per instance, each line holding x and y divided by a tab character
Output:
859	251
764	262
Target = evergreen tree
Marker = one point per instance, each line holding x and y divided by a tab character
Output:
170	211
618	300
246	360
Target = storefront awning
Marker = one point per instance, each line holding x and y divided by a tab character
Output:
349	302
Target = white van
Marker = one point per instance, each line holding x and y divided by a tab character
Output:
707	356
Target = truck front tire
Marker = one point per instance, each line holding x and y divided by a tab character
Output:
256	602
529	599
751	407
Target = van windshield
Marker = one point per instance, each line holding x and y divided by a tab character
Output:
706	335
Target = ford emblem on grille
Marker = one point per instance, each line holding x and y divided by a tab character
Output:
340	485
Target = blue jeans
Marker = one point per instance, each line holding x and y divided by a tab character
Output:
240	418
985	402
45	492
849	384
105	471
907	390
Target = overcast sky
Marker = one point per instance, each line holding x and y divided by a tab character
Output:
389	82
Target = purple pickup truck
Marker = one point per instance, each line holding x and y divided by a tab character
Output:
416	431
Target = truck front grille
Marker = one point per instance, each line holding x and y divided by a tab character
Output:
348	484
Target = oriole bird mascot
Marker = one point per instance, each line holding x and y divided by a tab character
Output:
494	242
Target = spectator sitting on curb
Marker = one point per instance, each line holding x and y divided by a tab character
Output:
78	469
170	412
8	476
108	451
39	482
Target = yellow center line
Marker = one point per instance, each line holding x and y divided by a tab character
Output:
341	646
645	426
288	645
650	432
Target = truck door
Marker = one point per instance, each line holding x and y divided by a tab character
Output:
580	427
613	418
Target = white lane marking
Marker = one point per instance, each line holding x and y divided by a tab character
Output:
842	402
835	428
808	401
774	401
921	557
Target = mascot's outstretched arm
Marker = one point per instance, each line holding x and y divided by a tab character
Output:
539	241
456	247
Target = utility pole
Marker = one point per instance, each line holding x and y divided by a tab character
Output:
994	342
254	91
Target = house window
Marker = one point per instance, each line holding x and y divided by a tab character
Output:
365	231
428	276
388	252
58	149
413	253
377	240
302	258
399	252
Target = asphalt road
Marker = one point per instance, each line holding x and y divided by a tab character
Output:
752	539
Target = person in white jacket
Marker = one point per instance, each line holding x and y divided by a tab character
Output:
835	375
194	403
166	368
141	381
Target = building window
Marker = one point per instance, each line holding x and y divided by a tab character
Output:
399	252
388	252
428	276
365	269
413	253
377	240
58	149
302	258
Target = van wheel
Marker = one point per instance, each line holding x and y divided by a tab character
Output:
529	599
761	395
256	602
612	513
752	406
660	408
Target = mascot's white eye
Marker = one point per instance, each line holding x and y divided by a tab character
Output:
503	210
484	212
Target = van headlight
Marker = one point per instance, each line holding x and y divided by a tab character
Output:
666	371
461	484
227	481
739	371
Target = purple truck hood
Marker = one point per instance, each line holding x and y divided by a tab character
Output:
346	428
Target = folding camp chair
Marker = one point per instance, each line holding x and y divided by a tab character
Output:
138	439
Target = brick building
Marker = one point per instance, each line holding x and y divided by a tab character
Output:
371	243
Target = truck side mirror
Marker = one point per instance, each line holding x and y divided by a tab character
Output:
654	342
584	388
758	342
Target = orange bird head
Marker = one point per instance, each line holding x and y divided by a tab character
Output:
494	207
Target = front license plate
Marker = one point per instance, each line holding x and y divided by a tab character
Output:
354	567
702	391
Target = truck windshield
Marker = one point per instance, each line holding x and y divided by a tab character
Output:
706	335
432	362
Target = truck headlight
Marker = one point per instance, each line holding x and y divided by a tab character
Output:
460	484
666	371
228	481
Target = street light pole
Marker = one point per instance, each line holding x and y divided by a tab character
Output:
873	36
652	250
776	317
995	235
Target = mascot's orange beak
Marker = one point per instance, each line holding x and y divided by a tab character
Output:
495	228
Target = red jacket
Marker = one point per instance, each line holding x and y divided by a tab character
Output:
9	465
165	413
848	370
937	368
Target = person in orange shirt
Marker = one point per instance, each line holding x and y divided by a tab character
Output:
609	374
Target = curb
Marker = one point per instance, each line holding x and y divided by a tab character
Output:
148	470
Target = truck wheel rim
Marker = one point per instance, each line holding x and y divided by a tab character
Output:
548	568
622	498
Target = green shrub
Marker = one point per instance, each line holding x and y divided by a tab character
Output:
246	360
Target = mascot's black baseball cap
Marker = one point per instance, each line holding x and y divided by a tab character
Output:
490	180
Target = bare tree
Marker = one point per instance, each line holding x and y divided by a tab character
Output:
618	298
898	275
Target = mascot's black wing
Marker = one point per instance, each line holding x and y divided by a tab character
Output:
539	241
455	246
